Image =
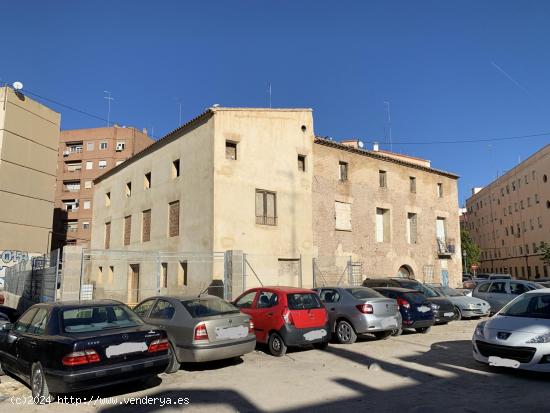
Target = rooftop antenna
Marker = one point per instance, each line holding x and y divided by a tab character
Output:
109	98
269	91
387	103
178	101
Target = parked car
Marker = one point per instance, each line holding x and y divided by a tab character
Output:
415	309
359	310
442	308
493	276
465	307
498	293
75	346
518	336
286	316
202	328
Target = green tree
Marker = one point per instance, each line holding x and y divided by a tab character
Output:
469	246
544	249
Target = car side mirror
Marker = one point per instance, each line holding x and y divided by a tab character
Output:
6	326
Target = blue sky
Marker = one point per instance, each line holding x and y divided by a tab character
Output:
439	64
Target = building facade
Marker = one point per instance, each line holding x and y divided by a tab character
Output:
83	155
510	217
258	181
29	134
392	214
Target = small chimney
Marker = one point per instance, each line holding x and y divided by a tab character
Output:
375	147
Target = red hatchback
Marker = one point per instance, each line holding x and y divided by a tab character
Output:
286	316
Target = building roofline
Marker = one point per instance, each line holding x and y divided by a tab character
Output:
376	155
506	175
166	139
104	127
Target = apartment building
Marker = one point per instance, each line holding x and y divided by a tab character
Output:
393	214
510	217
83	155
29	133
259	181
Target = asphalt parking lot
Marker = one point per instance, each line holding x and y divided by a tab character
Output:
412	373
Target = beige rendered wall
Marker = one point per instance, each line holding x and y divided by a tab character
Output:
29	134
383	259
193	189
268	144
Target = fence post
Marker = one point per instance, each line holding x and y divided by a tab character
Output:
56	275
314	273
350	271
244	272
81	271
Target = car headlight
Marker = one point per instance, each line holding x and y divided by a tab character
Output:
471	306
479	330
543	338
434	306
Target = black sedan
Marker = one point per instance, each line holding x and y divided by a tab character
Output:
74	346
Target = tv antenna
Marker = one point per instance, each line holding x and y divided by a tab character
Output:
109	98
387	103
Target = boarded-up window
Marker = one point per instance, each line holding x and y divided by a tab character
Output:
174	219
107	235
411	228
127	229
412	182
382	179
182	274
440	190
382	225
266	207
146	226
343	171
231	150
342	214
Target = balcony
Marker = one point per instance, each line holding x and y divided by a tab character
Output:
265	220
445	247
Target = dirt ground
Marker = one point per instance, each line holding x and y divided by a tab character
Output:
431	372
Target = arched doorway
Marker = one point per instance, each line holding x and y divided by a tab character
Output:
405	272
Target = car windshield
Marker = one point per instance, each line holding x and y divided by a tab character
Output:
529	306
208	306
98	318
415	285
303	301
448	291
363	293
415	298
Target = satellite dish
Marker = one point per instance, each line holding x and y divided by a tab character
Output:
17	85
361	144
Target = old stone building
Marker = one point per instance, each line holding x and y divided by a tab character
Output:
258	183
510	217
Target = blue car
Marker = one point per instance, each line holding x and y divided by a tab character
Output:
415	309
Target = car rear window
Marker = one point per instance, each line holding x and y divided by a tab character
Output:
303	301
208	306
415	285
415	298
362	293
98	318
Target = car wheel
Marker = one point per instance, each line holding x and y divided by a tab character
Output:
39	386
345	333
458	314
423	330
383	335
397	332
277	346
321	346
173	364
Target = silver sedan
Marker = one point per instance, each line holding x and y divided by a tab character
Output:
518	336
465	306
359	310
202	328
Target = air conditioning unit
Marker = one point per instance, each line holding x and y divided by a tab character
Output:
119	147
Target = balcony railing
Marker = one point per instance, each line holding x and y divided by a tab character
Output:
265	220
65	189
445	247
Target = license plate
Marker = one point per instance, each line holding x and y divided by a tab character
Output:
500	362
448	314
389	323
231	332
315	334
423	309
125	348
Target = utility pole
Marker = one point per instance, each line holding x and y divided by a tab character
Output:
109	98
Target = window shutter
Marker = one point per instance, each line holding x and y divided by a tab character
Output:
343	216
259	204
270	205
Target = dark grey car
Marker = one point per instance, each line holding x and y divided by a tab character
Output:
203	328
359	310
500	292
